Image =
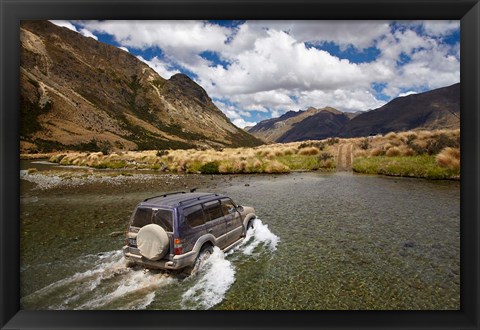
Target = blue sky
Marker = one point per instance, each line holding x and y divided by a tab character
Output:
255	70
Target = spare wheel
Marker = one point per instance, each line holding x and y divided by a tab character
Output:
152	241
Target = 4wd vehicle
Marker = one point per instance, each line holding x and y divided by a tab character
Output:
171	231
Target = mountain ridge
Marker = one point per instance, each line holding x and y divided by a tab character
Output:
80	94
435	109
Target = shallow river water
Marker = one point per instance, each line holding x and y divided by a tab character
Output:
322	241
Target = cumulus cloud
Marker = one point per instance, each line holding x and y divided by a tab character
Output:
270	67
162	68
87	33
64	23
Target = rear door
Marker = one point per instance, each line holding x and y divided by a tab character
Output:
215	222
233	220
192	227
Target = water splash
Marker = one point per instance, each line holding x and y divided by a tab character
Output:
258	235
110	284
216	277
218	273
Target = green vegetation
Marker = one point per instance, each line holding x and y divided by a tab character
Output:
209	168
420	166
391	155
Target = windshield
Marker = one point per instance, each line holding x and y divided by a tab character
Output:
144	216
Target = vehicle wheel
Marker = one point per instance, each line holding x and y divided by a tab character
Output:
201	259
250	224
152	241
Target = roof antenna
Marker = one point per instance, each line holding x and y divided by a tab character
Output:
193	190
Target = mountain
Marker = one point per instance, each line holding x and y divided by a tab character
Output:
323	124
80	94
436	109
272	130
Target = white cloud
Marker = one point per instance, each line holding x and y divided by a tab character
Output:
159	66
342	99
239	122
270	68
64	23
440	28
407	93
87	33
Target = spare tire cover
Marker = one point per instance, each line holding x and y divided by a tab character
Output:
152	241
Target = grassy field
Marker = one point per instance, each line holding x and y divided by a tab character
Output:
425	154
421	154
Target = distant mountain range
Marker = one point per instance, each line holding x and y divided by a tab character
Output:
79	94
436	109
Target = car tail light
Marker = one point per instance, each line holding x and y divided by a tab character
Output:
177	246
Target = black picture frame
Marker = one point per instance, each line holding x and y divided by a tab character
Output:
12	11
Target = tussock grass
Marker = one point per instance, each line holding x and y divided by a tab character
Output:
449	158
396	153
423	166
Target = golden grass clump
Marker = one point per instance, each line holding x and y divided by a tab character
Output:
360	153
391	136
376	152
276	167
309	151
393	152
449	158
406	151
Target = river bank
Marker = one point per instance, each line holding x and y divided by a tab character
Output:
419	154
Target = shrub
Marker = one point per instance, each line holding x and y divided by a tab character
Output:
325	156
332	141
393	151
377	152
410	138
327	164
439	143
276	167
364	144
309	151
391	135
449	158
161	153
210	168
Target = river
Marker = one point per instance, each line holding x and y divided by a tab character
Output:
322	241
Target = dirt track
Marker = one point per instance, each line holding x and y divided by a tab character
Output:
345	157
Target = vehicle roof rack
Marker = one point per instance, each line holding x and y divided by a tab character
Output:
196	198
165	195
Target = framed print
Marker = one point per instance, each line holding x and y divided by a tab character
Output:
239	164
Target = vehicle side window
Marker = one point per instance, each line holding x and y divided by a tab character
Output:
212	210
142	217
194	216
228	206
164	218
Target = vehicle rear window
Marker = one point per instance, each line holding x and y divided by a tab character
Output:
163	218
144	216
212	211
194	216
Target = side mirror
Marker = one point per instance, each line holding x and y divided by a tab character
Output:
240	208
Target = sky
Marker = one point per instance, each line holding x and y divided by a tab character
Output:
256	70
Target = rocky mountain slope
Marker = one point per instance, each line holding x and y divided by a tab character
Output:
279	129
436	109
79	94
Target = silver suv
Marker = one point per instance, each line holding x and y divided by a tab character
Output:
172	231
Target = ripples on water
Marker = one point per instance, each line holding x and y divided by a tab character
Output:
347	242
109	284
